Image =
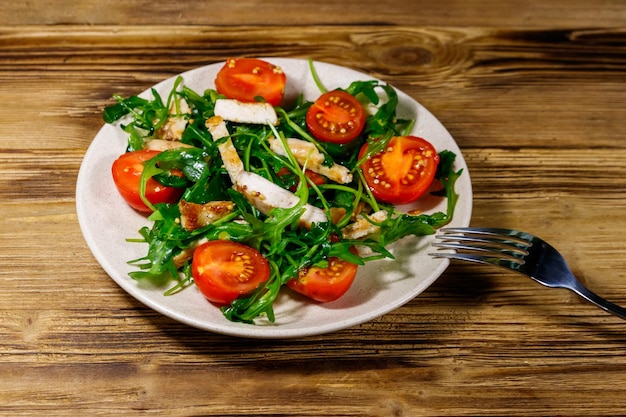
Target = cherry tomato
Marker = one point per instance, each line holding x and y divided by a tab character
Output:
403	171
336	117
244	79
224	270
325	284
127	171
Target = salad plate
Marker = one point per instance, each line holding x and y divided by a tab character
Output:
108	223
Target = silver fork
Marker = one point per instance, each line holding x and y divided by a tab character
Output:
520	252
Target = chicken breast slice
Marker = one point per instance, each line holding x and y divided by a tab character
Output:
362	227
307	153
164	145
265	195
241	112
230	157
194	216
176	122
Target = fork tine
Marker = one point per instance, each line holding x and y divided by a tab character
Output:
489	246
477	258
493	239
471	242
490	233
485	251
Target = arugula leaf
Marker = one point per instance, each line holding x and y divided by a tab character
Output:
123	107
448	177
366	88
165	239
148	115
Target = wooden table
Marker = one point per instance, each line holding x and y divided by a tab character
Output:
534	92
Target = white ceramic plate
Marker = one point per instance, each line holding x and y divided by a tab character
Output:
380	286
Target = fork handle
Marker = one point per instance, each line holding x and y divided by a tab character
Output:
594	298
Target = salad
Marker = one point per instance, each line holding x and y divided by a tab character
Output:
248	194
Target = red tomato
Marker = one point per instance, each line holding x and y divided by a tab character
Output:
224	270
325	284
336	117
244	79
127	171
403	171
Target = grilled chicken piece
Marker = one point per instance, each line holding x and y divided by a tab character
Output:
232	162
164	145
265	195
362	227
194	216
176	123
307	153
241	112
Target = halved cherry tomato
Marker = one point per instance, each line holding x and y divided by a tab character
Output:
316	178
224	270
325	284
336	117
403	171
127	171
244	79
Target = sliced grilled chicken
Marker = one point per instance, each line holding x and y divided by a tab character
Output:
232	162
164	145
362	227
240	112
307	153
176	123
265	195
194	216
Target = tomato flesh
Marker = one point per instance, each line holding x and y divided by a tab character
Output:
403	171
245	79
127	171
336	117
325	284
224	270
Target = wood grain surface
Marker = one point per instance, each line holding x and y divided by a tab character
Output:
534	93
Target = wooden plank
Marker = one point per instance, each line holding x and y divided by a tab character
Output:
558	13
